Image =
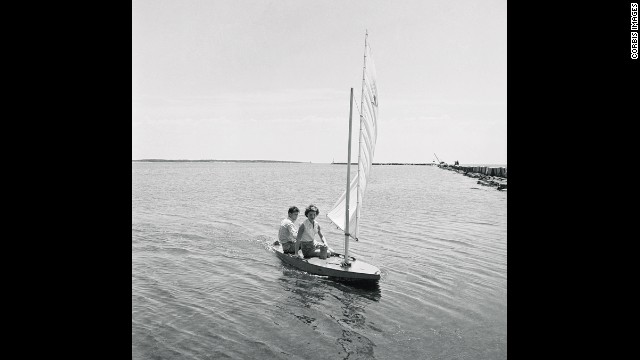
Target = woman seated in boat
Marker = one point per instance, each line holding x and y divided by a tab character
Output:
288	232
306	236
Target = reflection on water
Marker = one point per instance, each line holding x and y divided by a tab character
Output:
370	289
311	299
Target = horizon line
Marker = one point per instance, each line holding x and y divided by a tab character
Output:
300	162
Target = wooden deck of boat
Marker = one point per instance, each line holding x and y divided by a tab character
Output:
331	266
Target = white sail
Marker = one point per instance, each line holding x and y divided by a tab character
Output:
368	112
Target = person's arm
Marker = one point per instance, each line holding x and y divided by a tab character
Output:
297	246
277	242
292	230
322	236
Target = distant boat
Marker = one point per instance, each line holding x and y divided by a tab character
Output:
346	212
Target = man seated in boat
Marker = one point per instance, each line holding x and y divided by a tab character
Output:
288	232
306	236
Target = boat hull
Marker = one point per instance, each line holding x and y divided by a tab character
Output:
359	270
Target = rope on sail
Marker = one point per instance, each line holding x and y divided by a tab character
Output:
369	121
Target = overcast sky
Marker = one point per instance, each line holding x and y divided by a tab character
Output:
270	80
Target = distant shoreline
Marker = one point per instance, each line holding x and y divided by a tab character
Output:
282	162
238	161
392	163
270	161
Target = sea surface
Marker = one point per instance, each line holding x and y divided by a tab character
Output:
206	285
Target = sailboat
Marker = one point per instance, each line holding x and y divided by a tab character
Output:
345	214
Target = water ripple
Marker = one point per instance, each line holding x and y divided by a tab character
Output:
206	284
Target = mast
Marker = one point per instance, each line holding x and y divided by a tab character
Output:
364	68
346	216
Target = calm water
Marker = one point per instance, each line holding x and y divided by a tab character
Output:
205	284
